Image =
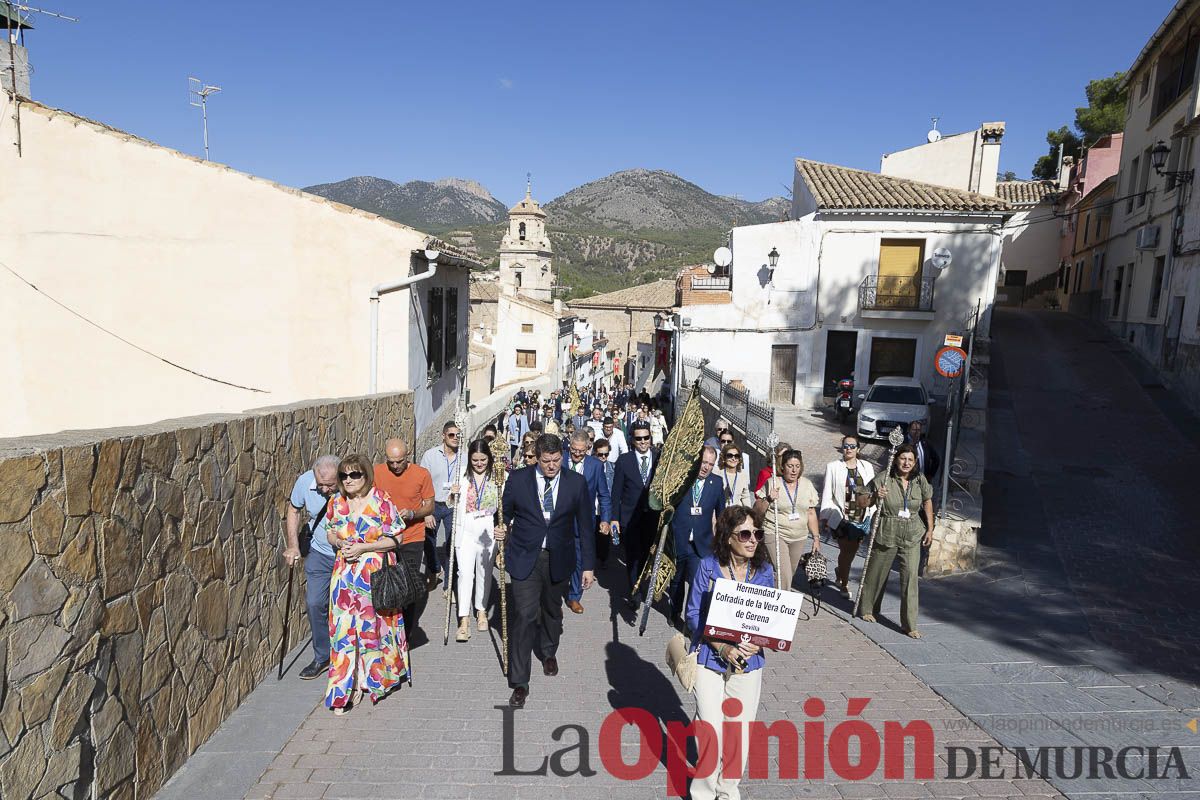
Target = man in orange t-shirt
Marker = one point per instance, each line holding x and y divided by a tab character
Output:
411	488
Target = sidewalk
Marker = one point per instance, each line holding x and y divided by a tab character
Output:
443	738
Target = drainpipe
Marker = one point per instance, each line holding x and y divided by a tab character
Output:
431	256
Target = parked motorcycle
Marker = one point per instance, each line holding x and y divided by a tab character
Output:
843	401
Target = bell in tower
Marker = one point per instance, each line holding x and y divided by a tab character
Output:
525	253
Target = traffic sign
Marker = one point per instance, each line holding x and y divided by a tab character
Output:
953	340
949	361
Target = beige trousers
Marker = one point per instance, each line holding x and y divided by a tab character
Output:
790	554
712	689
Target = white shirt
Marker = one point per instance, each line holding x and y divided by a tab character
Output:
541	487
617	443
920	456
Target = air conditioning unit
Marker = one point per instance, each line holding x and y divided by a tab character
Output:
1147	237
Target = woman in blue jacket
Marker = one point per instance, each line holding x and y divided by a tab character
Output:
727	671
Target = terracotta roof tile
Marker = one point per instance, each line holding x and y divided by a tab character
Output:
655	295
837	188
1023	192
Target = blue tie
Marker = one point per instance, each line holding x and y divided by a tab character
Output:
548	498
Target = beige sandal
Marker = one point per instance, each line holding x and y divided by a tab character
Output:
914	634
481	621
867	617
464	629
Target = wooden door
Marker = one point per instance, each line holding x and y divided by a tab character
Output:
783	373
899	278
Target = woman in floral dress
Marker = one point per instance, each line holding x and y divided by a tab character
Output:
369	653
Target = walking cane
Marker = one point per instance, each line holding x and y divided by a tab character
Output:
287	609
773	443
460	420
895	439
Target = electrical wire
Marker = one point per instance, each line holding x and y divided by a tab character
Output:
122	339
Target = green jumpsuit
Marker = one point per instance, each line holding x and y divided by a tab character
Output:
898	536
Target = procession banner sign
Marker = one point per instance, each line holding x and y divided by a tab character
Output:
746	612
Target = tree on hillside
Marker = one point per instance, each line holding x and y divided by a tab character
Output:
1104	114
1007	175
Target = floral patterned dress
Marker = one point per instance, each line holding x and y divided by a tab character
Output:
368	651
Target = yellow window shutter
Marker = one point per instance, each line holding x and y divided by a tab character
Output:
901	258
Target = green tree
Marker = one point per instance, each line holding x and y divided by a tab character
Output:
1105	111
1007	175
1104	114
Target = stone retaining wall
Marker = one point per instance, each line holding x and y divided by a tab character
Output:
141	591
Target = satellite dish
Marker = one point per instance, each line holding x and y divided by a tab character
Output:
933	136
712	268
941	258
723	256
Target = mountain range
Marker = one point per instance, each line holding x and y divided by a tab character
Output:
627	228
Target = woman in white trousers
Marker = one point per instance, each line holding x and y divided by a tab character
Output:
475	542
727	671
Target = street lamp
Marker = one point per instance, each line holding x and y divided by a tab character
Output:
773	261
1158	159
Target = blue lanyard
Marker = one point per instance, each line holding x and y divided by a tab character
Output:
450	465
479	492
905	495
697	490
789	493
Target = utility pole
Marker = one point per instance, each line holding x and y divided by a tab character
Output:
198	92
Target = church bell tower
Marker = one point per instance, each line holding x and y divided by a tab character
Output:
525	254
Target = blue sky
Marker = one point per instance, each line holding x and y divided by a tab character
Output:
723	93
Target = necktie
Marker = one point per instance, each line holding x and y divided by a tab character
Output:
548	498
697	488
645	468
608	473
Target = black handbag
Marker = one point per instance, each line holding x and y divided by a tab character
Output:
395	586
306	530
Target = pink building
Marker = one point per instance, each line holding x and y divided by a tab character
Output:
1100	162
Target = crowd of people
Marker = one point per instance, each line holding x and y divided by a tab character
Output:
573	491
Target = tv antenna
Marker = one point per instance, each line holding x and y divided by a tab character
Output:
198	92
15	24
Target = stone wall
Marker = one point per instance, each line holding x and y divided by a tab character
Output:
141	591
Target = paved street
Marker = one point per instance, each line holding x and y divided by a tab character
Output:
443	738
1080	629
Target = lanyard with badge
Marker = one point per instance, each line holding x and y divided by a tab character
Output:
479	488
730	486
794	515
904	513
697	491
450	466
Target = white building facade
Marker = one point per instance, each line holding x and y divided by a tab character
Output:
854	289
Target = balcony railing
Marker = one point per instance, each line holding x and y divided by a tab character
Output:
713	283
895	293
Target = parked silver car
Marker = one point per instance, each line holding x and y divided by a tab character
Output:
891	402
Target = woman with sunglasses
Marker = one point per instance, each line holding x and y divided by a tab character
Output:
841	513
734	478
726	671
475	543
788	504
369	651
905	524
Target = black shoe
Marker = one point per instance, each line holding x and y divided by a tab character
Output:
518	697
314	670
550	666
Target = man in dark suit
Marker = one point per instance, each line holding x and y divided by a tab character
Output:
692	528
544	507
631	513
592	469
928	460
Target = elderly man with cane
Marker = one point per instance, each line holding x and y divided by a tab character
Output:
309	499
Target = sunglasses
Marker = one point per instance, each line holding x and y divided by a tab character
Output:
849	447
530	457
453	435
744	535
350	476
602	454
641	438
732	455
